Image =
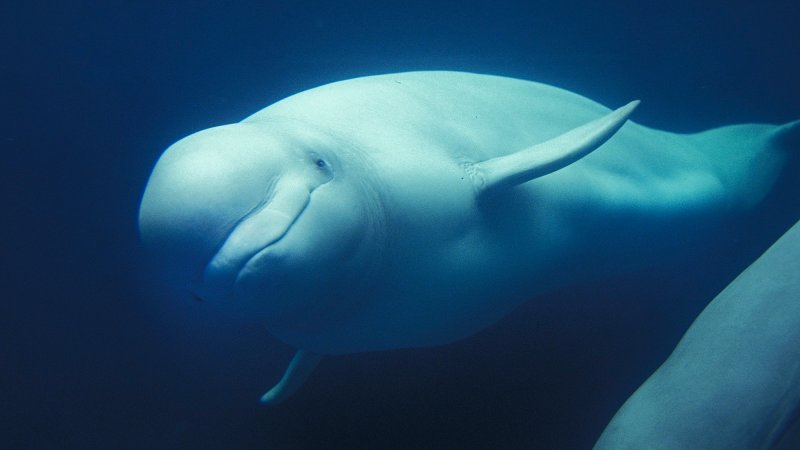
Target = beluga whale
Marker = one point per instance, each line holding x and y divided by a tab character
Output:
416	209
732	382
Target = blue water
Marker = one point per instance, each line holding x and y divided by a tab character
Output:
96	354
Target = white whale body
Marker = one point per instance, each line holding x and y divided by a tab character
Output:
415	209
733	382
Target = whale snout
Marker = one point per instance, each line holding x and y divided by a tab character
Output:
219	197
265	221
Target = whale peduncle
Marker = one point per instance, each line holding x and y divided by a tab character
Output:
549	156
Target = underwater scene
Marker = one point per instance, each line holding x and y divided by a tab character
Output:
400	225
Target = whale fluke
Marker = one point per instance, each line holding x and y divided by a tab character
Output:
547	157
301	367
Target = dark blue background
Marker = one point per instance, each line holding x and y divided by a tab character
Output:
96	354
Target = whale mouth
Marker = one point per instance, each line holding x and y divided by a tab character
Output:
289	221
259	251
254	234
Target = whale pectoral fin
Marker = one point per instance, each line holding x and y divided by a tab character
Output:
549	156
296	374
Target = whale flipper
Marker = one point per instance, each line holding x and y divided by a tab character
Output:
547	157
296	374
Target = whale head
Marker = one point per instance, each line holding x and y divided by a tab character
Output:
274	219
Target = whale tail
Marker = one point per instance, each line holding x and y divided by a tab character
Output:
751	158
787	136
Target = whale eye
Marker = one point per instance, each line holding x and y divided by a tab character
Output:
321	165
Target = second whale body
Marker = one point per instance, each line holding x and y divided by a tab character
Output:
415	209
733	381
